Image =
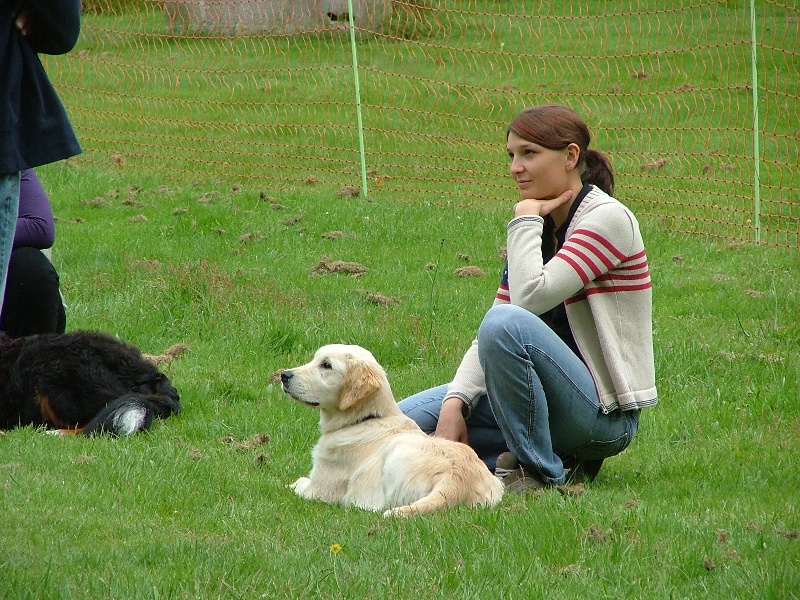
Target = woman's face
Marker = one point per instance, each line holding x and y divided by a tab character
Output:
540	173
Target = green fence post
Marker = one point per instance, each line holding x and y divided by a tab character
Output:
756	136
358	100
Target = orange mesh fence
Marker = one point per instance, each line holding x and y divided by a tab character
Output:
263	92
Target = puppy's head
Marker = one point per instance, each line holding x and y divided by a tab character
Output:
339	378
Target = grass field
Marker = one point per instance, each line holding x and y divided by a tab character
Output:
703	504
207	198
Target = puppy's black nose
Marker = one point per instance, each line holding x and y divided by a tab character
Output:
286	376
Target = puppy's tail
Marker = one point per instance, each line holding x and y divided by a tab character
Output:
132	413
448	493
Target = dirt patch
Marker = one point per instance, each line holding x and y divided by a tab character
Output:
250	443
470	271
326	265
169	354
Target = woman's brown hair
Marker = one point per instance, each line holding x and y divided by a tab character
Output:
555	127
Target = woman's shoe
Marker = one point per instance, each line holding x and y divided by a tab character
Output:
515	477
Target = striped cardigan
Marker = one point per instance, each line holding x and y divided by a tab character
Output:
601	274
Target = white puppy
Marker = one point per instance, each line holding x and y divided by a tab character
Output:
370	454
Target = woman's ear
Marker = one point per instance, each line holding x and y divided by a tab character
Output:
573	156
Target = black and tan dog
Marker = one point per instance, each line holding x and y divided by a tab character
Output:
81	382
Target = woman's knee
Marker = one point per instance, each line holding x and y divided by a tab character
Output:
495	321
501	323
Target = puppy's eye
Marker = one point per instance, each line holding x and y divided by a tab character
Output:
326	364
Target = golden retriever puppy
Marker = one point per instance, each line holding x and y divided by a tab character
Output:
370	454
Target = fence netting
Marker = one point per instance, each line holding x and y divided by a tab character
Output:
263	93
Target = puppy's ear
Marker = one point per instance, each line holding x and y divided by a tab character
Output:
360	381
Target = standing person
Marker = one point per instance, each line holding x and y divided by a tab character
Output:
34	128
32	301
563	361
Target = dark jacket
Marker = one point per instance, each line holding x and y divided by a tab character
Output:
34	128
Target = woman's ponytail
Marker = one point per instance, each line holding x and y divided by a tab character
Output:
597	171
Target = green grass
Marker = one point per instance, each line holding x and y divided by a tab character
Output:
207	196
703	504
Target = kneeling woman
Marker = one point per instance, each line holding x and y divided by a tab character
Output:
32	302
563	363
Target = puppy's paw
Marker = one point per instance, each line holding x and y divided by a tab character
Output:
300	486
399	511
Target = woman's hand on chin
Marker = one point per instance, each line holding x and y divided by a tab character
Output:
542	208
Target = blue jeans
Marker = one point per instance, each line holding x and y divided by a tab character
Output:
9	207
541	401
